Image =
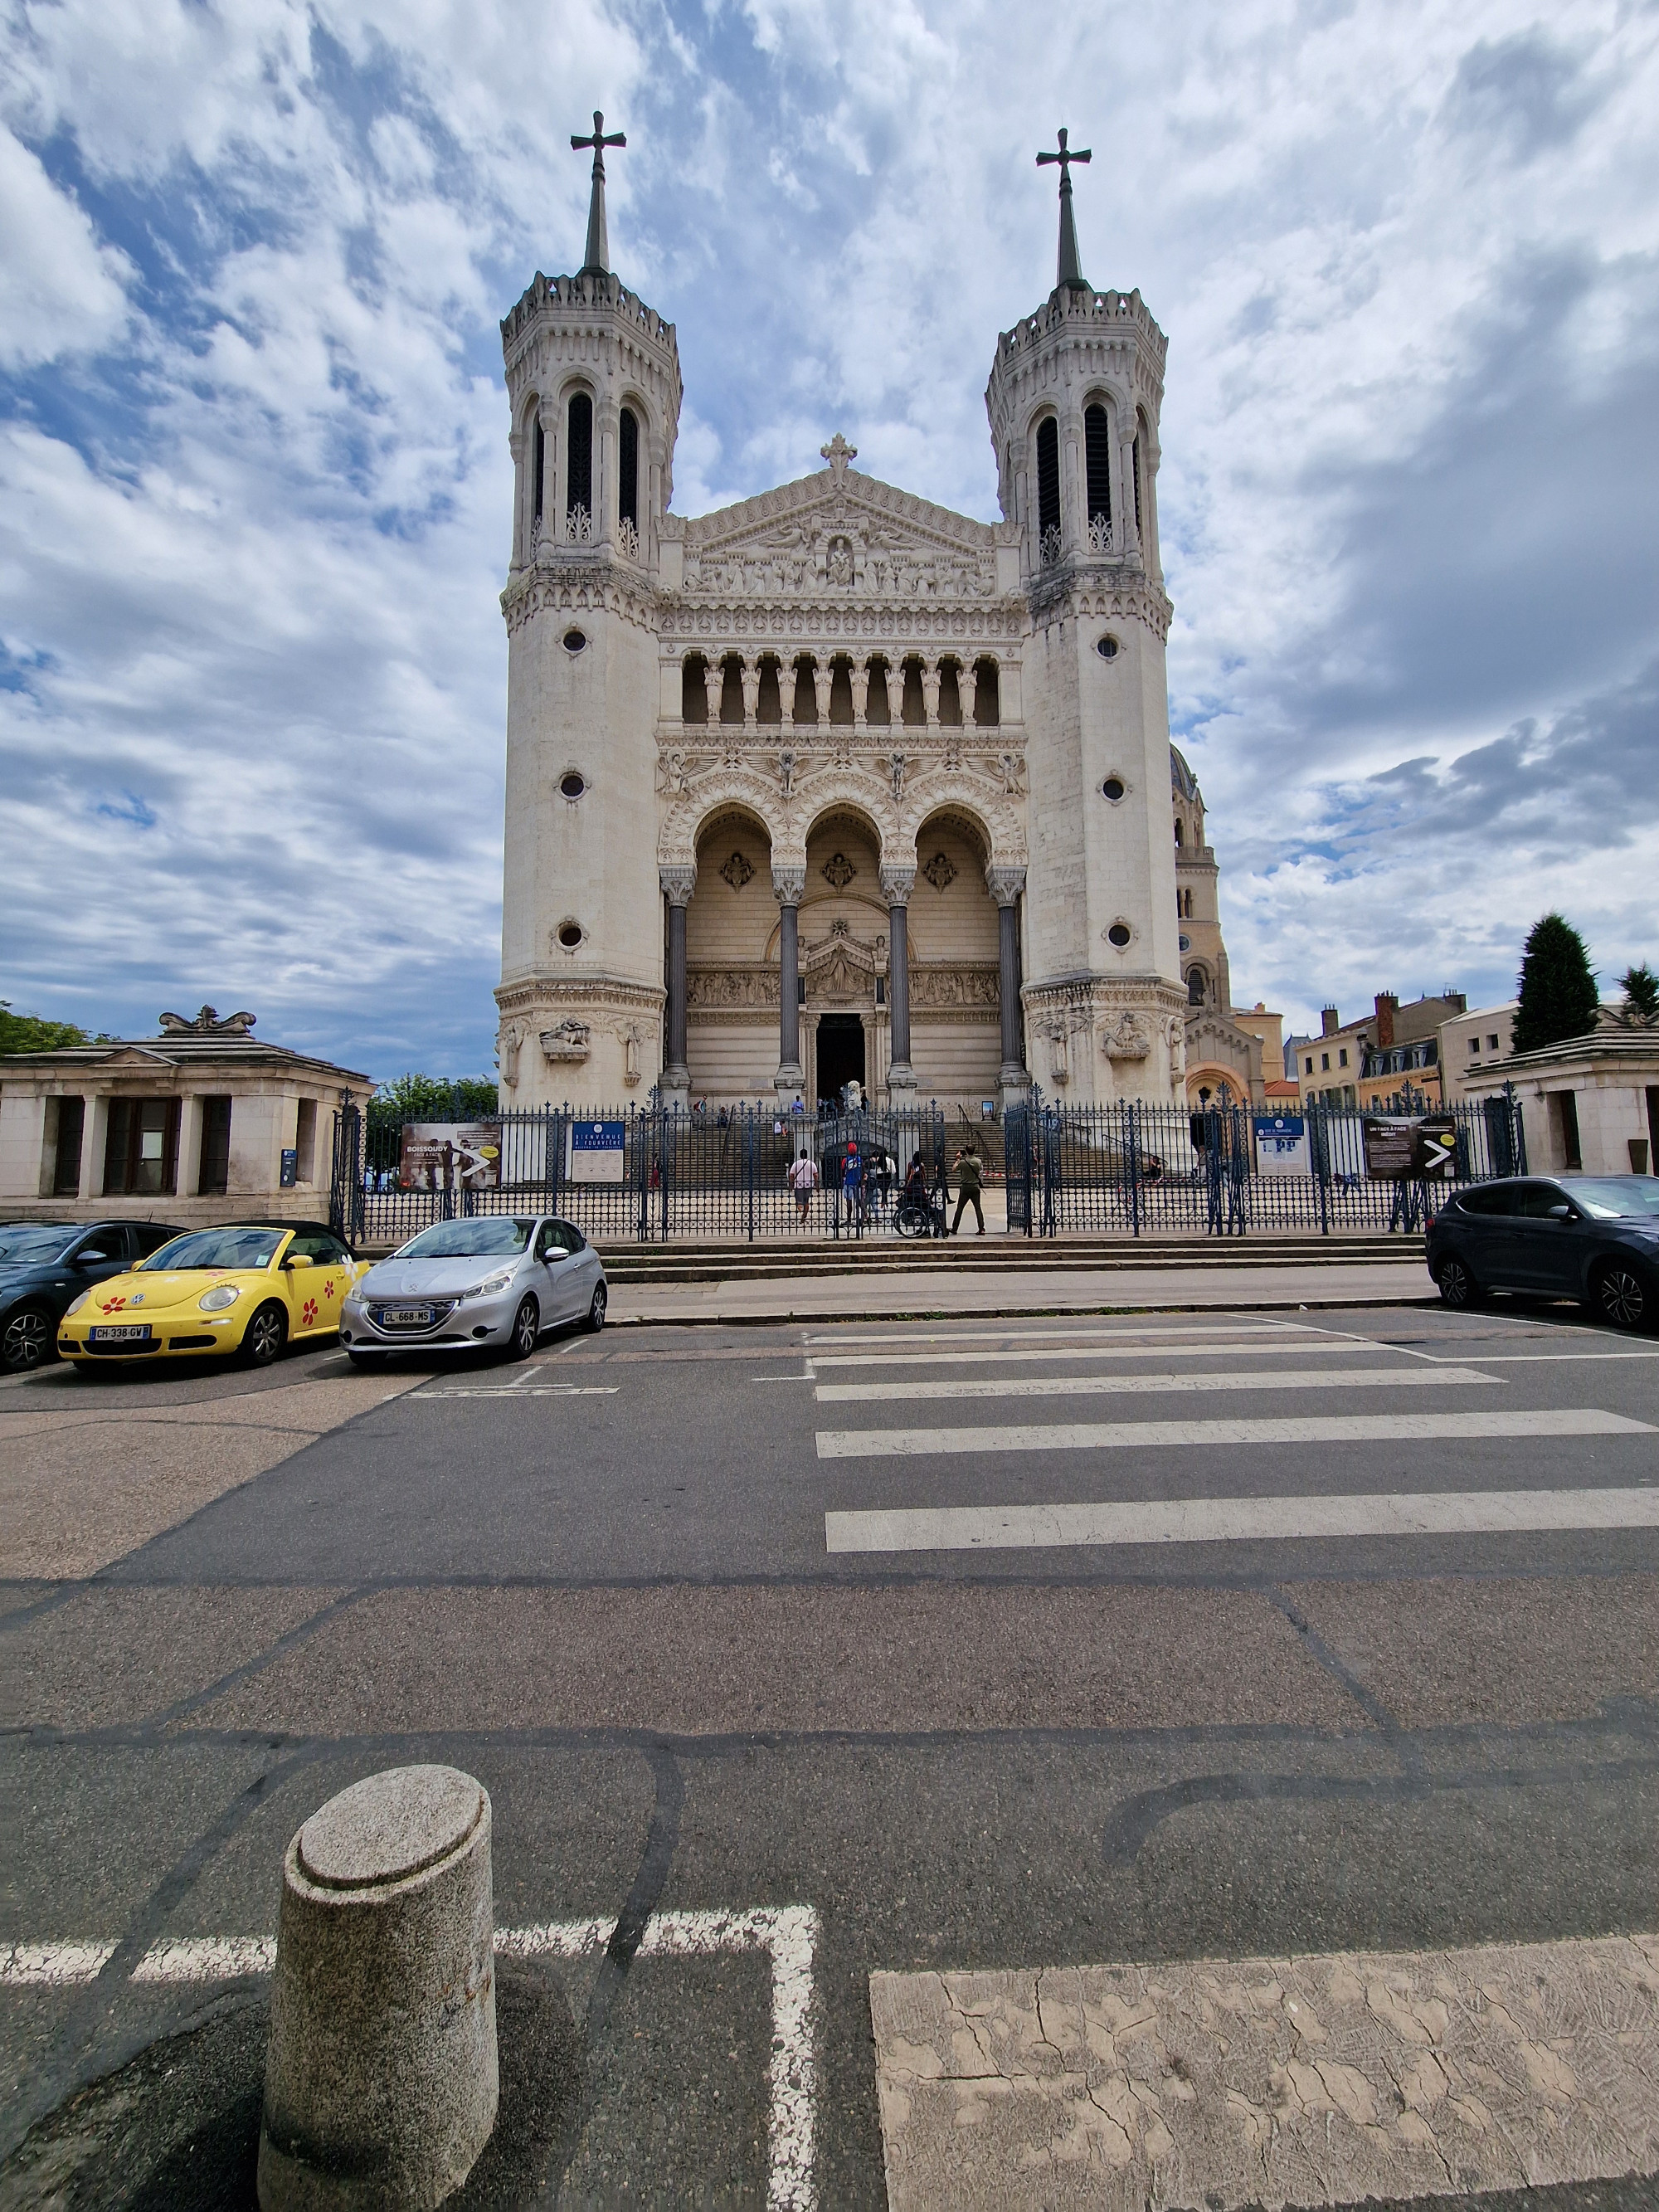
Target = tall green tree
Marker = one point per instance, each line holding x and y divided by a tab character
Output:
1640	985
33	1033
1558	997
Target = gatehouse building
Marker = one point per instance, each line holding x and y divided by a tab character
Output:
835	784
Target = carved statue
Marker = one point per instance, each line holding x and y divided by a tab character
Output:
511	1043
568	1041
1125	1036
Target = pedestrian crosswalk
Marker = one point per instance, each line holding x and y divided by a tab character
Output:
1150	1502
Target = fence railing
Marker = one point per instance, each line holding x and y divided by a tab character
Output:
649	1174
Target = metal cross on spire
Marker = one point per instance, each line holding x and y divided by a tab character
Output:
1070	273
597	257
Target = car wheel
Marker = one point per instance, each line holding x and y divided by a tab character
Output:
526	1328
264	1337
1620	1297
30	1339
595	1321
1458	1288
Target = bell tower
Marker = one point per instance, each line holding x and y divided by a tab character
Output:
1073	403
593	380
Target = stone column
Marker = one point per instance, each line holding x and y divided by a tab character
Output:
788	888
897	885
930	682
677	884
751	693
1004	885
1125	534
786	691
713	680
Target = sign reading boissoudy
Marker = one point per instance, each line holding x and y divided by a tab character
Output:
594	1151
1281	1144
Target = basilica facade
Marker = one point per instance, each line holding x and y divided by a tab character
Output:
835	784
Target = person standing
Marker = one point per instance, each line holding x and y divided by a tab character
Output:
968	1190
804	1180
852	1182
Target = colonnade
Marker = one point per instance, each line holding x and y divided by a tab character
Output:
1004	885
784	691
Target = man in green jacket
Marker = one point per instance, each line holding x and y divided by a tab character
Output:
967	1165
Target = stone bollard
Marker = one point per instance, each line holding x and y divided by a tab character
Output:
380	2081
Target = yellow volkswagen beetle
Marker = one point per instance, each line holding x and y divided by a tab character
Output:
244	1291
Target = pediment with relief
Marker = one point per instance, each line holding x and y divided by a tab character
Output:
840	531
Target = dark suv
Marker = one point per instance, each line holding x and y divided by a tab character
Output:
44	1267
1591	1237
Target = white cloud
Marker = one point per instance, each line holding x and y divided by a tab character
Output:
60	291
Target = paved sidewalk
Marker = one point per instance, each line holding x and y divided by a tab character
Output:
1105	1290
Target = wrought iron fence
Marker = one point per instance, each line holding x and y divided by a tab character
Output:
649	1174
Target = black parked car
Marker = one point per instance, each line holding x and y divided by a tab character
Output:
45	1265
1591	1237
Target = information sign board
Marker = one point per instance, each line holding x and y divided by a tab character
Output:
1410	1147
450	1155
1281	1144
594	1151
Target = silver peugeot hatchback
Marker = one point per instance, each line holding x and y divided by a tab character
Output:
493	1281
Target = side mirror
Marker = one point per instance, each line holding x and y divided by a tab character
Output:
1560	1213
92	1258
552	1258
299	1259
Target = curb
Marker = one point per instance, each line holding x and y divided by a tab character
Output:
1016	1313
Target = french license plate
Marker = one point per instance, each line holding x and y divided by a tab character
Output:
409	1317
132	1333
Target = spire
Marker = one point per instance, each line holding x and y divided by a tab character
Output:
1069	272
597	260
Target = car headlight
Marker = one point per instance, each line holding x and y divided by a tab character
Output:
491	1286
221	1295
75	1306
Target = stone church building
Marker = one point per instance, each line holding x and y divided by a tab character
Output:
834	783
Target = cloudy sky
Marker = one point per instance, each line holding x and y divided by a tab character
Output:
254	485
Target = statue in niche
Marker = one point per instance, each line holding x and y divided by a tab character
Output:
839	568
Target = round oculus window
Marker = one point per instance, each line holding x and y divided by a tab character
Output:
1106	647
573	785
1119	934
1113	788
570	935
574	640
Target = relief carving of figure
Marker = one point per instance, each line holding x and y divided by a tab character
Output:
1125	1036
511	1042
568	1041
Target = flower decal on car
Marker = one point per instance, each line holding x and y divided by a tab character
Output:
328	1288
110	1305
308	1313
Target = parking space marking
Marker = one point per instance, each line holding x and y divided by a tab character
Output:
1058	1332
1073	1386
786	1934
1392	1429
1280	1348
1238	1519
509	1390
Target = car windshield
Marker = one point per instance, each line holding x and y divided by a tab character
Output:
1606	1199
34	1240
481	1238
216	1247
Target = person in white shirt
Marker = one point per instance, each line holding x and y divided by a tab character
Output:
804	1180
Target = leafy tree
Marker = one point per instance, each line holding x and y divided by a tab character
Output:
1641	988
1559	998
439	1098
33	1033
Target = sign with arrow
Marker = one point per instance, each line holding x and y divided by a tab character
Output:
1414	1148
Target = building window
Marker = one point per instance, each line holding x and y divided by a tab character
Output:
141	1151
1492	1044
694	691
305	1141
1564	1108
1311	1064
627	472
1048	446
213	1178
1342	1057
988	702
1475	1044
1324	1063
66	1124
1097	466
538	464
1134	466
579	458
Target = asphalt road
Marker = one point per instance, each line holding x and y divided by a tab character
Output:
778	1658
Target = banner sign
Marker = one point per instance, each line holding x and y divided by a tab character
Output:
1415	1147
593	1152
1281	1145
450	1155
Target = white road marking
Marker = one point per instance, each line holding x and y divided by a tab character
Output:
1238	1519
788	1934
1058	1332
1232	2082
1303	1429
1283	1348
1534	1359
532	1390
1073	1386
52	1965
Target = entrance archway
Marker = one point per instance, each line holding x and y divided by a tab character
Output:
841	1055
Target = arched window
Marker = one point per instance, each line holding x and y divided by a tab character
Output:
1197	987
539	467
1134	466
578	459
1097	460
1047	445
1179	840
628	468
694	689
